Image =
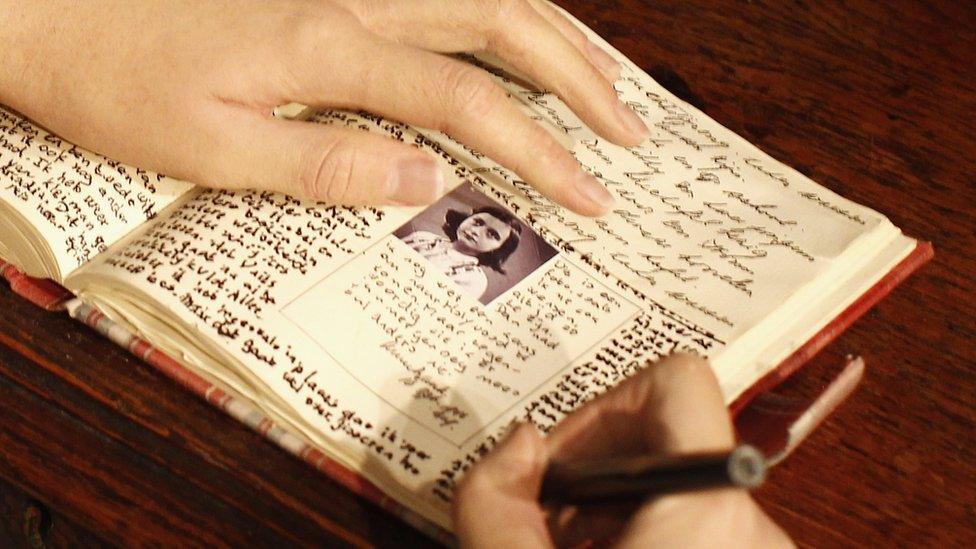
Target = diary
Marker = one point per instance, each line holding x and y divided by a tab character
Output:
392	347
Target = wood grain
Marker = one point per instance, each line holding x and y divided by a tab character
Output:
874	100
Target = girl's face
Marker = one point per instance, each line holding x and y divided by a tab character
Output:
482	232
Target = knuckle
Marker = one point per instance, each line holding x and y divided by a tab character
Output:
688	365
468	91
501	12
542	150
327	171
306	35
730	507
472	483
716	508
462	490
498	18
573	33
313	33
371	13
549	152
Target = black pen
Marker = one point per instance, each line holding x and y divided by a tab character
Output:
632	479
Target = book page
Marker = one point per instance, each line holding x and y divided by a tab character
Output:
705	223
390	348
79	202
391	340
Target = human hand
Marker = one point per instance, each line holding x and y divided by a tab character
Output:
187	88
672	407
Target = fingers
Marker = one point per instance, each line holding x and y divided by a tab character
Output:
602	60
674	406
496	503
334	165
528	41
433	91
531	36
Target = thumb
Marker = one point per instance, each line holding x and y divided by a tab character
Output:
336	165
496	504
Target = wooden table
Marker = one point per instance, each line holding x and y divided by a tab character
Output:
874	101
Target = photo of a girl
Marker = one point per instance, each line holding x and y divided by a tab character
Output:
479	245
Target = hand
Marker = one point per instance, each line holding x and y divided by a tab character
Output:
187	88
672	407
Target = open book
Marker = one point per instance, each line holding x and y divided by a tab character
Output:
402	342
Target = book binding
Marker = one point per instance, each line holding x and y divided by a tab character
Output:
45	294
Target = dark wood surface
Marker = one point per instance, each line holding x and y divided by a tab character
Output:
874	100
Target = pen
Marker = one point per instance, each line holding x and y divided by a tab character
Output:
631	479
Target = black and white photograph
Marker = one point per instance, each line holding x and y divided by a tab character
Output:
476	242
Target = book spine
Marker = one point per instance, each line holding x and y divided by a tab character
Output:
43	293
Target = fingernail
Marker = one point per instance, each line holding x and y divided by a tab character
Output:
632	122
416	182
603	61
594	191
